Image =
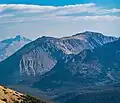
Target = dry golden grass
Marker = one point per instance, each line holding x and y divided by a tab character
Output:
9	96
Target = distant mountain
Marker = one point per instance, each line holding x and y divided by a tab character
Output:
100	66
41	55
10	46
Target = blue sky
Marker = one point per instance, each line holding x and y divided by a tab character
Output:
35	18
108	3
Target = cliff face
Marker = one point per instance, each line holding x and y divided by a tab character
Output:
36	62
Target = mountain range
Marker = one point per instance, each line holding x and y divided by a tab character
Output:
76	77
58	66
10	46
41	55
99	66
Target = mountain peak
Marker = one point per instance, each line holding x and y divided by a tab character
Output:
20	37
88	33
45	38
17	38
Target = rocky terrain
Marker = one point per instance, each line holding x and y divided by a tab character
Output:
60	69
41	55
99	66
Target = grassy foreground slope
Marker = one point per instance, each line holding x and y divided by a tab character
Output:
10	96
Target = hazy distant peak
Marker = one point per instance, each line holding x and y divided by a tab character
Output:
20	37
10	46
17	38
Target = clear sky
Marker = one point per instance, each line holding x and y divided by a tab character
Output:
35	18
